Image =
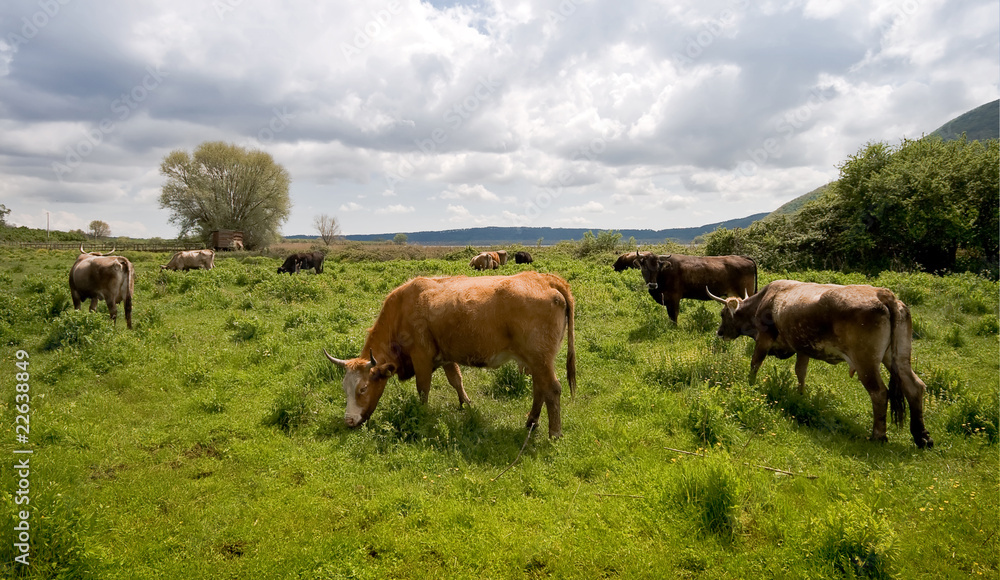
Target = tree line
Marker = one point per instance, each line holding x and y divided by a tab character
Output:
925	204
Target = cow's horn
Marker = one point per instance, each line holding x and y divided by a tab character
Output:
336	361
81	248
713	296
113	248
371	358
745	294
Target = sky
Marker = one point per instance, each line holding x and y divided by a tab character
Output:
400	116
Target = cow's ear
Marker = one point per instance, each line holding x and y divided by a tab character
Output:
386	370
732	304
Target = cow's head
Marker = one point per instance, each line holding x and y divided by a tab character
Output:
364	382
736	321
651	265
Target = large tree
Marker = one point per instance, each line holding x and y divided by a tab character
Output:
226	187
99	229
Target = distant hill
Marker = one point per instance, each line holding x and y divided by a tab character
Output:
488	236
796	204
979	124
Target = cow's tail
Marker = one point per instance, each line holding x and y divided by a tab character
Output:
570	345
128	287
900	340
754	262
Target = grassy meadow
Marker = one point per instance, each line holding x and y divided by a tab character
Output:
208	442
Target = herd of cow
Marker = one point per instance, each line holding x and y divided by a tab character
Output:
486	321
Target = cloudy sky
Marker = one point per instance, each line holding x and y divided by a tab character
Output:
399	115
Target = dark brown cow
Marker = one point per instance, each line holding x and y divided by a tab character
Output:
296	262
671	277
481	321
191	260
629	260
98	276
484	261
862	325
523	258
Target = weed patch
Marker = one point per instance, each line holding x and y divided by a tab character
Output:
856	542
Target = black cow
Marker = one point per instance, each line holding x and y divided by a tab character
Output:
303	261
523	258
674	276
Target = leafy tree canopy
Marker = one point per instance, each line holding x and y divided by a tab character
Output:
226	187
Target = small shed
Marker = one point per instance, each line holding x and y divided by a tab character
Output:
227	240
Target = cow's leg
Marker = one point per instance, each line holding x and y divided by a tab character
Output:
423	370
870	377
673	307
801	367
112	309
759	354
128	312
546	389
93	304
454	375
77	301
913	389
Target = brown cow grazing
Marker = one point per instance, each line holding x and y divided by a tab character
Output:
502	256
296	262
481	321
523	258
629	260
860	324
191	260
95	275
484	261
672	277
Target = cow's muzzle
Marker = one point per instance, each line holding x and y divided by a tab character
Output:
652	285
353	420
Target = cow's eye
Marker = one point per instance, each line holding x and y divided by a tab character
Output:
363	390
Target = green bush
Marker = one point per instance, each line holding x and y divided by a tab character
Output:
856	541
711	487
293	408
987	325
975	415
604	242
245	327
509	382
77	328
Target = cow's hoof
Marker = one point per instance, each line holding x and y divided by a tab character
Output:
878	439
924	442
531	424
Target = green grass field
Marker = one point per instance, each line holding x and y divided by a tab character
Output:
208	442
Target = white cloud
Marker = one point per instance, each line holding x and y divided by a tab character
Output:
397	208
351	206
464	191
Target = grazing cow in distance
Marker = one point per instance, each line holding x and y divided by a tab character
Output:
629	260
191	260
296	262
484	261
671	277
860	324
523	258
480	321
502	256
101	276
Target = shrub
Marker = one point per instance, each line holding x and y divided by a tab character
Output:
604	242
76	328
972	415
244	328
293	408
706	418
954	337
987	325
509	382
944	383
701	320
856	541
711	487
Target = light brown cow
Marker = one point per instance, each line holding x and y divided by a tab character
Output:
483	321
501	256
95	276
191	260
483	261
860	324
